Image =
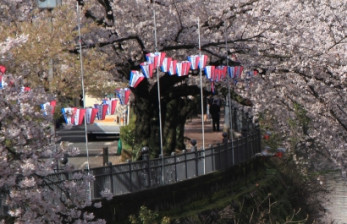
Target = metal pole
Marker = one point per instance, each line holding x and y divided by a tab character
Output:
83	94
159	104
229	94
202	101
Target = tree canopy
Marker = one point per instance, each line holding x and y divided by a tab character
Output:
298	47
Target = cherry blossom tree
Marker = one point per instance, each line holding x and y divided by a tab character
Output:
298	47
29	157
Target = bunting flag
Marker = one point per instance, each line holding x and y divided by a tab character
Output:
231	72
113	106
108	102
69	114
209	71
220	73
2	82
212	87
79	116
2	69
165	67
136	78
147	69
25	89
53	103
104	108
202	61
156	58
172	68
91	114
45	107
123	95
182	68
194	60
102	111
238	71
127	95
48	107
249	76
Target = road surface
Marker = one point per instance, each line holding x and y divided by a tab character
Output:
76	137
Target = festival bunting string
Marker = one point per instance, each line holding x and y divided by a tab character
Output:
74	115
156	60
172	67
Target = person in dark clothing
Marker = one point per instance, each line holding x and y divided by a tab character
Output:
215	114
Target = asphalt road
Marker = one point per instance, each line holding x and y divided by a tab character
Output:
76	138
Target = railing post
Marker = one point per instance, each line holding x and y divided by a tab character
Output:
196	163
130	176
219	156
225	143
185	161
213	168
145	157
105	156
111	176
175	161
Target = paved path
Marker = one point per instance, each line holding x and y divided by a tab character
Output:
193	130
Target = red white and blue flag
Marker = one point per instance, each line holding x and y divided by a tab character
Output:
48	107
113	105
183	68
123	95
69	114
79	116
91	114
231	72
209	71
25	89
2	82
172	68
194	60
108	102
212	87
165	67
202	61
238	71
136	78
220	73
102	111
2	69
147	69
156	58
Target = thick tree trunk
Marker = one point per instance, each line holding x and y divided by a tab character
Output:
178	101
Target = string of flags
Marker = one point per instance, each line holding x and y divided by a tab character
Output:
74	115
157	60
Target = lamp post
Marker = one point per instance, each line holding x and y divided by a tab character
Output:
49	5
79	4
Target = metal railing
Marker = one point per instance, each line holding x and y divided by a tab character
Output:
136	176
145	174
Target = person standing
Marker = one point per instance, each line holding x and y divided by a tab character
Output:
215	114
